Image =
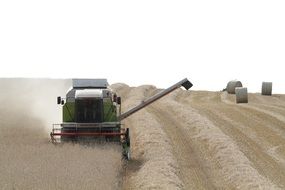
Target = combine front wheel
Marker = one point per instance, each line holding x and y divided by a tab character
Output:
127	145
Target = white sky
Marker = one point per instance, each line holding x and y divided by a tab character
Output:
146	42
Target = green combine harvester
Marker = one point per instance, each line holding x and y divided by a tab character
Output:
92	112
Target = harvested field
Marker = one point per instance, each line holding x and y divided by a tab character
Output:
186	140
206	141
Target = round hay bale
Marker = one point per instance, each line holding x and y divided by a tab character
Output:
232	85
241	95
266	88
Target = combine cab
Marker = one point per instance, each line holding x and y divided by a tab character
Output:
92	112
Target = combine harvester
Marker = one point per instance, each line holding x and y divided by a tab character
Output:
92	112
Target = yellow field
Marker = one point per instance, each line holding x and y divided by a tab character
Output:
186	140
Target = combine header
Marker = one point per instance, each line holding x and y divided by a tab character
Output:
92	111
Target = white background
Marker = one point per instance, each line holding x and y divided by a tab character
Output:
146	42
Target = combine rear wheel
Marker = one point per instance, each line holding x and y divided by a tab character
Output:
126	153
128	156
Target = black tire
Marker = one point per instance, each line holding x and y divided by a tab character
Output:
128	140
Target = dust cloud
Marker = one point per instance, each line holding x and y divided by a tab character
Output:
29	160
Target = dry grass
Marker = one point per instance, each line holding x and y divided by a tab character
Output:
29	161
181	142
